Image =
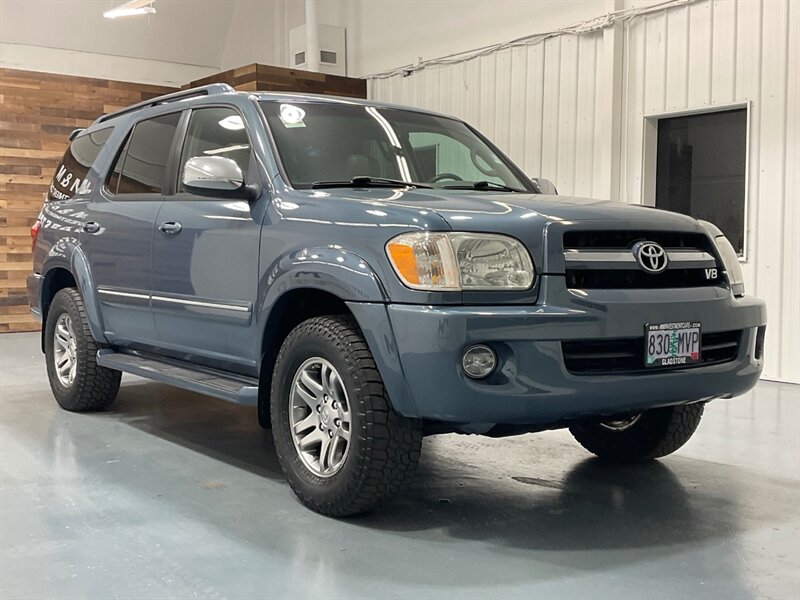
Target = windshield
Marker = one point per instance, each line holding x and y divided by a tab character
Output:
322	142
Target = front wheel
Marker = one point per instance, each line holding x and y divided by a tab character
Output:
638	438
343	448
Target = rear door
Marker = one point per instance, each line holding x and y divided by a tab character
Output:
205	253
118	230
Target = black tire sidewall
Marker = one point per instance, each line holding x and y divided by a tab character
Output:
658	432
344	482
69	398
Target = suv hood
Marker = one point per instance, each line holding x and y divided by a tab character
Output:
498	211
537	220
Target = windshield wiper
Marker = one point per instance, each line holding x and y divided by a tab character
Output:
369	182
484	185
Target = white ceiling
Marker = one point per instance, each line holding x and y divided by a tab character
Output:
222	34
184	31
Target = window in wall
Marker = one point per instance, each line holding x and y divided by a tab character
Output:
141	165
700	169
216	132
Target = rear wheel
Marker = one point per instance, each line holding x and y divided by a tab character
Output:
642	437
78	382
342	446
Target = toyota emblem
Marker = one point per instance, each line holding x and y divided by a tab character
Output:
651	257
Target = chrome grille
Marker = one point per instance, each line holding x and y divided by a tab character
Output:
605	260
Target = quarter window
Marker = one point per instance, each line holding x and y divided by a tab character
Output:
70	177
216	131
141	166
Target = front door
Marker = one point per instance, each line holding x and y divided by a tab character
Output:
205	255
118	230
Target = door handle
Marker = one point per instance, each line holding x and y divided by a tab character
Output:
170	227
91	227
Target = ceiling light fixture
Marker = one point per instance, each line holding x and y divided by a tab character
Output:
130	9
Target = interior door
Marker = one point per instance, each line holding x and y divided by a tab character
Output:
118	230
205	254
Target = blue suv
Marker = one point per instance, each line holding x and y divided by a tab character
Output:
367	274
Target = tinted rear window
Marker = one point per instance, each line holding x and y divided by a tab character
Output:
141	165
70	177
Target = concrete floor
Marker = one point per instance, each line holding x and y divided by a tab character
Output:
177	495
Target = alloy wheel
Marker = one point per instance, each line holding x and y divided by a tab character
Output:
621	424
65	350
319	417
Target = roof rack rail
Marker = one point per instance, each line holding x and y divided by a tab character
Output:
206	90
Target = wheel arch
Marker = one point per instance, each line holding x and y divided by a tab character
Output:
299	304
70	268
287	311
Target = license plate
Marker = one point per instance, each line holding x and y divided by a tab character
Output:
671	344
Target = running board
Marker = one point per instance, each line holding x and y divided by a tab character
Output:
241	390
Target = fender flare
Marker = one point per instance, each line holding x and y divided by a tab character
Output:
330	269
67	254
347	276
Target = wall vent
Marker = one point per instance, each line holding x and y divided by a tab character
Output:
332	49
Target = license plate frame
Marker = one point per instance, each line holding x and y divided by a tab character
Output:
675	344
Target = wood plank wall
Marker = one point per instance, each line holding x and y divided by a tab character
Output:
266	78
37	113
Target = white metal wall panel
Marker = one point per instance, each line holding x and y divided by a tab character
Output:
711	54
547	106
537	103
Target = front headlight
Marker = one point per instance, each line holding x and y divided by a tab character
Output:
730	260
732	267
460	261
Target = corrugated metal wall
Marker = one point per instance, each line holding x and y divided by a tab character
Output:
537	103
550	107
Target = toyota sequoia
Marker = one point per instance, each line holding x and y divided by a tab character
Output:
366	274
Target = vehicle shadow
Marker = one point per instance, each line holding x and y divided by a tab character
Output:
216	428
580	505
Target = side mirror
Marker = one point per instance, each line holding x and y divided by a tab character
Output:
212	176
545	186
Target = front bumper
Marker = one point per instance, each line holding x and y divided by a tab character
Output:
418	350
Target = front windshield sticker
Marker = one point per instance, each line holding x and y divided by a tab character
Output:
292	116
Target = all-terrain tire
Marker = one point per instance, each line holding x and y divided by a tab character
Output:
654	434
384	446
93	387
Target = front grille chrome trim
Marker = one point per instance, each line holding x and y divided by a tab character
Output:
687	259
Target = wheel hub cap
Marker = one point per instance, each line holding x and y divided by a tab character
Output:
65	350
319	417
621	424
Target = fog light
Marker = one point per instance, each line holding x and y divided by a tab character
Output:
479	361
759	349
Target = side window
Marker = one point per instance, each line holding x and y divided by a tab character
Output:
70	176
142	164
216	131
